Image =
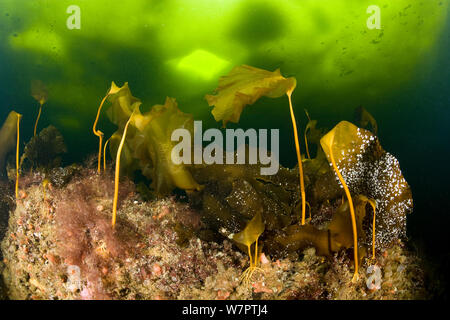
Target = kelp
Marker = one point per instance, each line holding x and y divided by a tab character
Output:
115	92
369	170
244	85
7	138
44	150
19	117
162	121
248	236
363	118
312	134
232	198
331	146
117	170
333	238
234	193
148	145
40	93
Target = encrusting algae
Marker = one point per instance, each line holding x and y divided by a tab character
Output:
72	253
66	245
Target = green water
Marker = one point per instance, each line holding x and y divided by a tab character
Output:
180	48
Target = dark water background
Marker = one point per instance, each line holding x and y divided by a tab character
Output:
413	119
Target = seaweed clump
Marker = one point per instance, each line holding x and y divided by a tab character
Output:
148	144
44	150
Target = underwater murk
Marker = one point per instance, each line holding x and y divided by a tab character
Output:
224	150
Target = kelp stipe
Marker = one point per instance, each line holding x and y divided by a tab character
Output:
299	157
104	154
327	145
40	93
19	116
373	204
113	89
117	172
247	237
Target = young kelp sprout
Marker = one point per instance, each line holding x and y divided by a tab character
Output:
117	172
113	89
364	118
244	85
312	134
308	125
249	235
40	93
327	142
19	116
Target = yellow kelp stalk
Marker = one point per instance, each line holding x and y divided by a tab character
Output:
19	116
327	146
299	156
98	133
352	213
37	119
116	179
104	154
39	92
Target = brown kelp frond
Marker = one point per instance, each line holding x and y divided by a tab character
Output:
244	85
39	91
40	94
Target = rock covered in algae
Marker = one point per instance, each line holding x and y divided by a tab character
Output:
62	247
